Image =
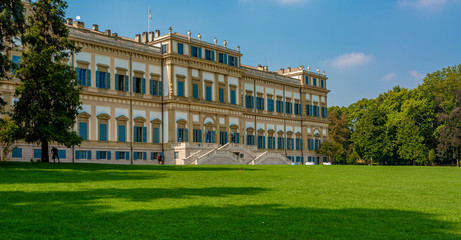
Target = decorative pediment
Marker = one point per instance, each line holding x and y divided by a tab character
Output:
298	134
271	131
234	127
140	120
261	130
280	133
156	121
289	133
122	118
181	122
209	125
103	116
83	115
250	130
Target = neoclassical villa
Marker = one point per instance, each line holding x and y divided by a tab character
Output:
192	101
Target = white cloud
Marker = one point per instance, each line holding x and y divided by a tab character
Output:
352	59
417	75
430	5
389	76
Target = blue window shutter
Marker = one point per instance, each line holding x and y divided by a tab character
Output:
134	84
77	70
97	155
88	155
187	134
37	153
77	154
143	86
144	156
195	91
98	79
326	112
152	156
301	143
127	155
225	58
155	135
108	80
116	82
151	87
135	134
83	130
144	134
88	77
62	154
212	55
200	52
213	136
236	61
121	133
127	84
102	132
108	155
160	87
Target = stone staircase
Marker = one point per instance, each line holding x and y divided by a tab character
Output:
235	154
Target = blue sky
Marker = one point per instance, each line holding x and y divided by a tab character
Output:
366	47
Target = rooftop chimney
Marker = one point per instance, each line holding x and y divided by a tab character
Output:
107	32
70	21
137	38
157	33
96	27
151	36
79	24
144	37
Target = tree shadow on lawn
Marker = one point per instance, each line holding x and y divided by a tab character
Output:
64	215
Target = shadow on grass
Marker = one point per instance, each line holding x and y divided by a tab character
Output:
15	172
65	215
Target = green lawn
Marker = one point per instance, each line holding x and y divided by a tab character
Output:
90	201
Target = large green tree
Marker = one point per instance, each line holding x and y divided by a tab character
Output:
11	27
49	95
449	140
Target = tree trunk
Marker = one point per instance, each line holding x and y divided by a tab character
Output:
45	156
457	162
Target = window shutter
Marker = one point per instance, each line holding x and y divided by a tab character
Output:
109	155
155	135
127	84
144	156
98	79
88	77
83	126
77	154
97	155
116	82
213	136
301	143
213	55
187	134
121	133
199	52
77	70
88	155
134	84
127	155
143	86
144	134
135	134
151	87
152	156
108	80
160	87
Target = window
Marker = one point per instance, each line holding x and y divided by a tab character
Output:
314	82
222	58
322	83
155	87
298	109
249	101
259	103
102	80
79	154
103	155
155	135
209	55
180	48
233	61
121	82
208	93
164	48
122	155
176	155
196	52
308	109
232	96
289	108
182	135
180	88
281	143
121	133
250	140
195	90
103	132
299	144
270	142
210	136
261	142
270	105
139	134
235	138
84	76
223	138
16	153
139	85
139	155
154	155
83	130
279	106
197	135
306	79
221	95
290	143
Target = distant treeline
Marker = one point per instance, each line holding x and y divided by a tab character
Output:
420	126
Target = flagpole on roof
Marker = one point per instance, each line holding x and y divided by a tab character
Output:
148	20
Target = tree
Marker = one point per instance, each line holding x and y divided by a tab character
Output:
49	95
7	136
449	140
11	26
332	149
411	143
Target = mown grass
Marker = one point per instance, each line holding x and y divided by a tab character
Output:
90	201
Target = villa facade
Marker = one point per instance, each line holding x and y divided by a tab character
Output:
190	100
